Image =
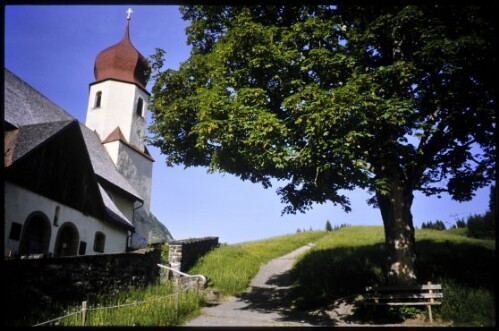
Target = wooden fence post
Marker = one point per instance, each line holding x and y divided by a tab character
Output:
430	316
83	313
177	304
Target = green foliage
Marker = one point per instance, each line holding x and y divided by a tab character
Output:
484	226
344	262
468	306
328	226
342	225
325	98
460	223
437	225
404	312
230	268
164	253
481	226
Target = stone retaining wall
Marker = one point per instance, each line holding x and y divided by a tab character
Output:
32	282
183	254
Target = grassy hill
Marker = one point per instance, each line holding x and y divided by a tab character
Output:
230	268
346	260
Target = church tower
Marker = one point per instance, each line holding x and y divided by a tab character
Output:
117	108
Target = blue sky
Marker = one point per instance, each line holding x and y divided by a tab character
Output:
53	48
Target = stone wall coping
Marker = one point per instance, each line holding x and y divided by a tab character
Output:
191	240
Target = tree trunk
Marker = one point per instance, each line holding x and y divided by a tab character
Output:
395	209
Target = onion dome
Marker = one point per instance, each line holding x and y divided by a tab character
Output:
122	62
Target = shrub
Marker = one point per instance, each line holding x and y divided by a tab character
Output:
481	226
467	306
437	225
460	223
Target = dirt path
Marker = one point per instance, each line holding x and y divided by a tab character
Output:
263	303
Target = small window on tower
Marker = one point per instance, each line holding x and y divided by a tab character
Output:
140	106
98	98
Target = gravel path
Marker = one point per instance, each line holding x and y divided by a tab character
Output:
264	303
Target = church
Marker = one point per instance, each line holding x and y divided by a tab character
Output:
80	189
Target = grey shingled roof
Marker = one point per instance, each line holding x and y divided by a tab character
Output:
26	106
31	136
113	211
103	164
38	119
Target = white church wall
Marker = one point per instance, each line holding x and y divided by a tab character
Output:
22	203
138	170
113	149
137	130
118	108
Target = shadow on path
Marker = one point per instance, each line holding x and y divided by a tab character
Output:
276	298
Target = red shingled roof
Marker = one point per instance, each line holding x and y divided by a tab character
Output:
117	135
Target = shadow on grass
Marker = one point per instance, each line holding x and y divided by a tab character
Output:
333	278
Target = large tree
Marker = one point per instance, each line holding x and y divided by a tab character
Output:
330	98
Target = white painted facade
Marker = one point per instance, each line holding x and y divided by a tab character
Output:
135	167
118	108
19	201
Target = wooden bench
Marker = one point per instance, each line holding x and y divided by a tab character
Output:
418	295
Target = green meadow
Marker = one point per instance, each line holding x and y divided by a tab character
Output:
345	261
339	267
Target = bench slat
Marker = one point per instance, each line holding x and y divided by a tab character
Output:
421	295
399	289
403	303
388	296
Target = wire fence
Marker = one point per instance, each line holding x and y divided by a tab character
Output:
83	311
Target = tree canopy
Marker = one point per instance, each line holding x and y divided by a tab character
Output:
392	99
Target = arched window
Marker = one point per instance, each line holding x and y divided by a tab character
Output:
98	99
140	106
99	242
67	241
36	234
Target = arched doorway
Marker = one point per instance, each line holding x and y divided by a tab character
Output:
67	241
36	234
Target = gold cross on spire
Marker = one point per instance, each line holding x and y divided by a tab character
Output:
129	13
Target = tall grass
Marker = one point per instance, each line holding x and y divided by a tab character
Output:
345	261
230	268
154	305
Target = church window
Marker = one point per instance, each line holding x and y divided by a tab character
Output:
83	248
15	231
98	99
56	215
35	237
140	106
67	241
99	242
